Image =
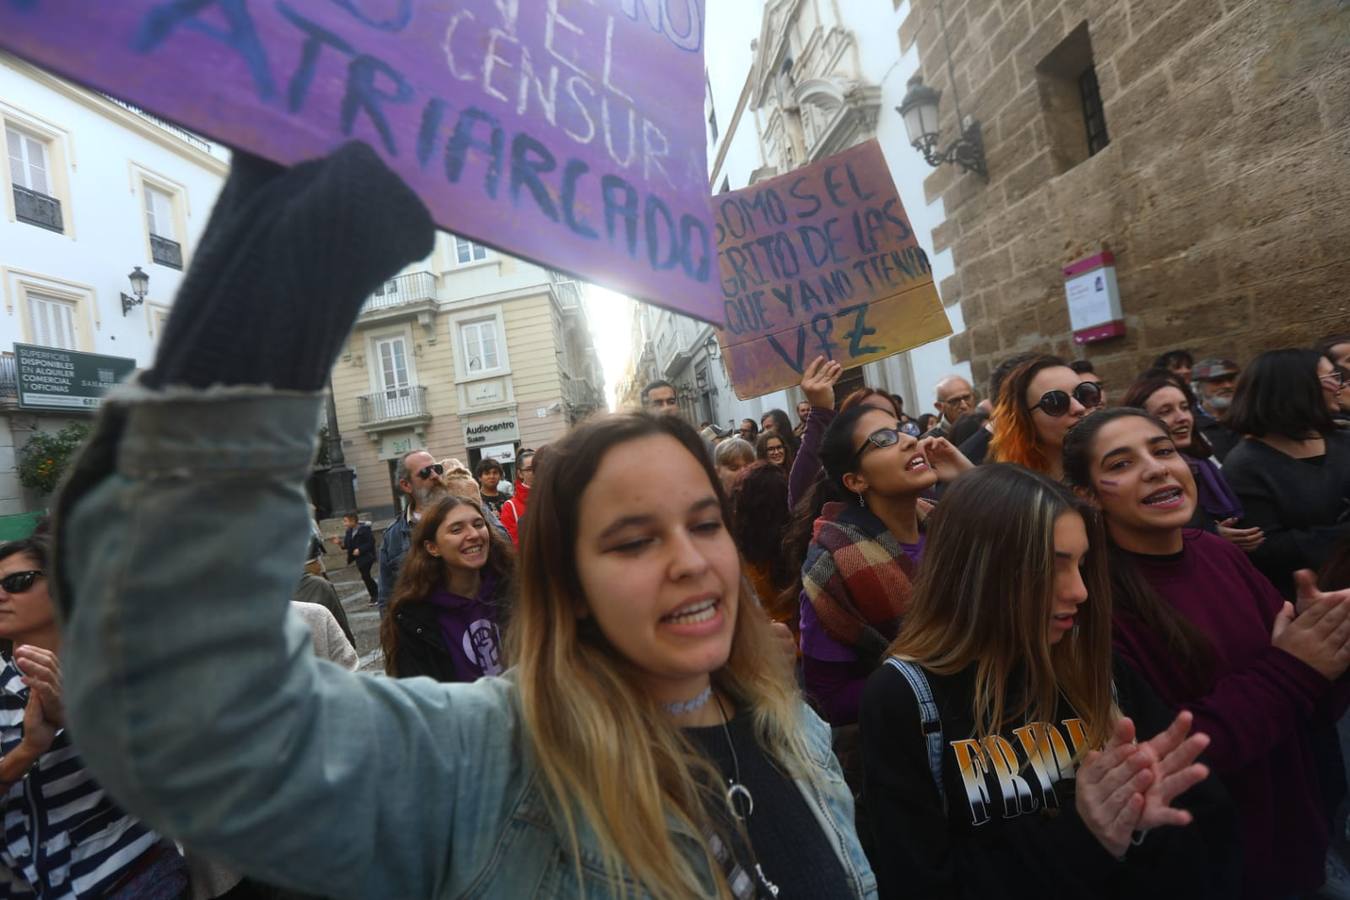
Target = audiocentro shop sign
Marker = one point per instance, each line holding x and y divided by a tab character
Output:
500	430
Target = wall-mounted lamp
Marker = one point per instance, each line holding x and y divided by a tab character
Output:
711	347
919	109
140	286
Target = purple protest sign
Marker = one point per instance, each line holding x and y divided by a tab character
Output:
569	132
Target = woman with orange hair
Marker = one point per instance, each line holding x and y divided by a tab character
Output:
1039	402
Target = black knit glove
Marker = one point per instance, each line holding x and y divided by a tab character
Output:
283	267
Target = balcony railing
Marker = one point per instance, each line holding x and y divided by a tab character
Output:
398	403
37	209
180	133
9	381
402	290
166	252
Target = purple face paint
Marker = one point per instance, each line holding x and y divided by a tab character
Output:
1106	482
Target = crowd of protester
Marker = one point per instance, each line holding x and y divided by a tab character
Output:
1032	644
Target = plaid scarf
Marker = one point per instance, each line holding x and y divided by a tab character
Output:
857	579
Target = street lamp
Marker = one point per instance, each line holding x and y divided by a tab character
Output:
919	109
140	286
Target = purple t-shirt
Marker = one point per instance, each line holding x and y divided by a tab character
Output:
816	643
469	628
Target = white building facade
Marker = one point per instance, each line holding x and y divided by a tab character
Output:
791	82
92	191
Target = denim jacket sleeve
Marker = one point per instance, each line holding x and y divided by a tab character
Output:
202	709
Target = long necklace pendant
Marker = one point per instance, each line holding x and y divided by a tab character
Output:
734	790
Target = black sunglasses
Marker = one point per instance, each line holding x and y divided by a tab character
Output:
19	582
1056	403
425	472
882	437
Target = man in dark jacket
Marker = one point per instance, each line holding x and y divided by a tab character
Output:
1215	381
359	542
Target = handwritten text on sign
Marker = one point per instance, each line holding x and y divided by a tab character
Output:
821	261
566	131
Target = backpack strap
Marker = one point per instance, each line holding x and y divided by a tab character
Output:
929	718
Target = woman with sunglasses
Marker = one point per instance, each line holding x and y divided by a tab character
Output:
453	596
61	828
513	510
649	741
865	545
1211	635
1217	508
997	740
1292	469
1039	402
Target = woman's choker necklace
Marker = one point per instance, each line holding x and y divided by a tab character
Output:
693	703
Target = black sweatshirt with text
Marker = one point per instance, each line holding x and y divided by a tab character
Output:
1010	828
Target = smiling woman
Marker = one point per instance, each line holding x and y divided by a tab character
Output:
452	598
1211	635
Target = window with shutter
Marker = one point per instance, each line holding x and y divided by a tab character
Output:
53	321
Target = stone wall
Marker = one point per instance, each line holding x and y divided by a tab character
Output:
1224	192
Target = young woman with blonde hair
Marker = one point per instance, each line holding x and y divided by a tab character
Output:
650	740
996	760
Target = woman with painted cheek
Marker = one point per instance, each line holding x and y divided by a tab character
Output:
1291	470
998	738
1038	404
452	599
864	549
1211	635
1217	508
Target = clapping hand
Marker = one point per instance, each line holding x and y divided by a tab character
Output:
1127	787
1245	539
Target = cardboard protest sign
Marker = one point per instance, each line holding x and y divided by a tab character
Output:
567	132
820	261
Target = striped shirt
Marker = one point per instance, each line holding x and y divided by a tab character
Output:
63	836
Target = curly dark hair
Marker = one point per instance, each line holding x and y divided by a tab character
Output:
760	518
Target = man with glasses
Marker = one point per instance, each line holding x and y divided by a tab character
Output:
513	510
420	479
1214	382
955	398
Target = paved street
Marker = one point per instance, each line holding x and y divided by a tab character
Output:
363	618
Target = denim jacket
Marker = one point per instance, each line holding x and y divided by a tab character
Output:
393	547
196	701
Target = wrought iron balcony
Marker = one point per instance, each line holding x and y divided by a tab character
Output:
405	290
399	405
9	382
38	209
166	252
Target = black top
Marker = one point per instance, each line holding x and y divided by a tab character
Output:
788	843
359	538
1012	830
495	503
976	447
1303	505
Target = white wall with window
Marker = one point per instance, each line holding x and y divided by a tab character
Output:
89	190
